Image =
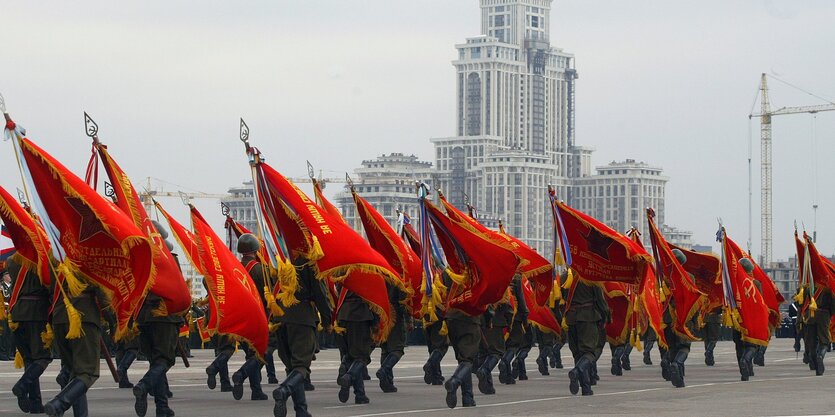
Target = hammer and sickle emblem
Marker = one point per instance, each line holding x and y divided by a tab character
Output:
242	278
749	288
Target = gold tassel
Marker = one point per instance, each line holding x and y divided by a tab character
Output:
813	305
799	296
275	309
444	329
288	284
337	328
316	252
47	336
12	324
74	284
568	280
564	325
726	317
74	317
2	306
273	327
18	360
456	278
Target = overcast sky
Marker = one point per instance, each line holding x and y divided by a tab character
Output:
338	81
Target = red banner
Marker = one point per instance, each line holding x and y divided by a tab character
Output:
620	305
539	316
384	239
689	301
101	242
169	283
29	238
823	277
750	317
185	238
482	269
599	253
533	267
338	253
237	310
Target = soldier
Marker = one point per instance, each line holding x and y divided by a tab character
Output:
796	320
816	333
519	341
465	337
158	338
30	306
494	322
358	319
248	246
296	338
587	311
713	321
437	340
679	347
559	342
80	357
392	349
649	341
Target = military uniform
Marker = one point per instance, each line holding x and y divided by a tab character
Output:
251	369
672	362
712	331
224	349
817	337
126	353
30	313
158	336
495	321
465	338
649	341
587	311
559	339
296	338
437	343
80	358
393	348
357	319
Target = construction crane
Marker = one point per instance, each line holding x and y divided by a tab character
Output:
148	195
765	115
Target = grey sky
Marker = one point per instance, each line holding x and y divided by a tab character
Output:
339	81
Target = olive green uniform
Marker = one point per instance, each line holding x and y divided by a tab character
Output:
712	331
251	369
30	313
520	337
465	338
587	311
392	349
158	336
816	335
494	323
224	349
357	319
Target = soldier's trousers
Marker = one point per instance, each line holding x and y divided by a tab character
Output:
79	356
712	332
436	341
465	338
493	343
817	331
158	342
584	339
28	341
357	343
296	345
396	342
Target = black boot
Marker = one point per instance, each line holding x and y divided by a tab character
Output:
519	365
759	356
344	391
63	377
579	376
365	376
429	366
79	407
22	386
74	390
254	372
665	368
308	386
269	363
745	369
161	398
359	385
647	350
624	359
294	381
467	397
456	380
617	369
796	344
542	360
218	366
592	373
505	376
556	358
385	373
122	370
300	401
437	375
148	385
677	368
819	368
709	358
485	375
238	379
35	401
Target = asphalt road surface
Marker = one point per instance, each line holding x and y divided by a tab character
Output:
785	386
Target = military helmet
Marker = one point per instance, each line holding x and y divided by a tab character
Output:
680	256
248	243
169	246
160	229
747	265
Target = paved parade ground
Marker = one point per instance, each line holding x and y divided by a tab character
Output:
784	386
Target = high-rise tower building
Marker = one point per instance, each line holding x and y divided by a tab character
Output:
514	120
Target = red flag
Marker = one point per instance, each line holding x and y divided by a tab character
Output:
238	309
533	267
100	241
30	241
771	295
800	246
618	298
383	238
597	252
750	315
539	316
481	268
169	283
823	277
689	301
337	251
185	238
651	306
707	270
325	203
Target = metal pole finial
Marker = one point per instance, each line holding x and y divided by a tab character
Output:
185	198
224	209
3	104
91	127
349	181
310	171
244	131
